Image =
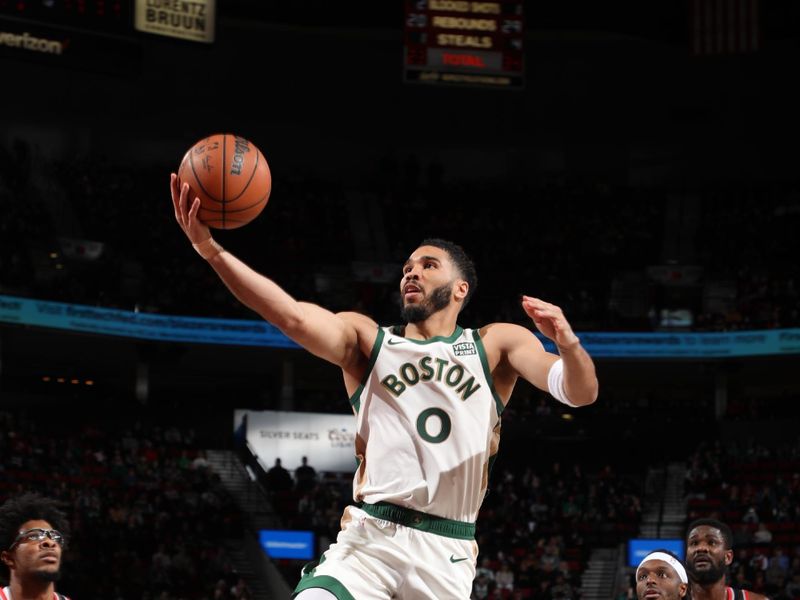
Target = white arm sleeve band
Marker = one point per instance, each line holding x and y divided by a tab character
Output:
555	383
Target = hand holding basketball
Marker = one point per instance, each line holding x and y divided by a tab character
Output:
550	320
186	213
230	176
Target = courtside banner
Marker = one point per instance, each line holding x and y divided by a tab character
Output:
146	326
327	440
241	332
690	345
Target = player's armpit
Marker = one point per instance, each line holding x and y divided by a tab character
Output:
337	338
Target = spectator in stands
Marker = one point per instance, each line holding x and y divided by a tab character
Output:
661	575
750	516
625	592
486	570
480	587
505	578
200	461
562	590
792	589
241	591
759	561
278	478
709	551
762	535
33	532
305	476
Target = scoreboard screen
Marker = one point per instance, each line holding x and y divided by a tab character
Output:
464	42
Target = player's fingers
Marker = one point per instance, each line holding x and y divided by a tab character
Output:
545	312
175	193
536	303
194	210
184	201
551	310
528	305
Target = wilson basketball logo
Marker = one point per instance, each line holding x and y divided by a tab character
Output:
239	148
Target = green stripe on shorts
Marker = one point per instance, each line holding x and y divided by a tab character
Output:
326	582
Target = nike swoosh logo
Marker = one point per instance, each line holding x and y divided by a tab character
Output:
394	342
453	559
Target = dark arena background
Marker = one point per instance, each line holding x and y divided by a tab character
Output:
635	164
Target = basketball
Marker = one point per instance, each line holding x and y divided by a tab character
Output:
230	176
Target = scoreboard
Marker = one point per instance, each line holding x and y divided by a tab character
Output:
464	42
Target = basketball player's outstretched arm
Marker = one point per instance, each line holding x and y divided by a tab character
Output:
528	358
328	335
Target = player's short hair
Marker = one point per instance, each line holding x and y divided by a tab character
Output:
727	534
29	506
461	260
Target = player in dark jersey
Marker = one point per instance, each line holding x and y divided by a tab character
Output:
709	551
32	535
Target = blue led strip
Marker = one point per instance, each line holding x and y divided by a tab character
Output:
241	332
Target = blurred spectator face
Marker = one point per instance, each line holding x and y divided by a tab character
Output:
29	557
706	555
657	580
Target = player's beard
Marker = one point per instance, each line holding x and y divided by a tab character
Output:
48	576
711	574
436	301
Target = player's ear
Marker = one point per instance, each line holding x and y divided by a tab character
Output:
7	558
682	590
728	557
461	289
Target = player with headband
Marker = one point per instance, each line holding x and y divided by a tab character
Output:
661	576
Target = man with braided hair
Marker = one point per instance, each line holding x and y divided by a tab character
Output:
32	534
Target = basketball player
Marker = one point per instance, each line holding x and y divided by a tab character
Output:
427	398
32	531
709	551
661	576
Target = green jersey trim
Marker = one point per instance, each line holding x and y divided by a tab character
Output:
485	362
439	338
355	399
326	582
415	519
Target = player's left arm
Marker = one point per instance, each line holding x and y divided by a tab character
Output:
577	382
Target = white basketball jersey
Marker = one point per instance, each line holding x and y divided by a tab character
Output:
428	424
